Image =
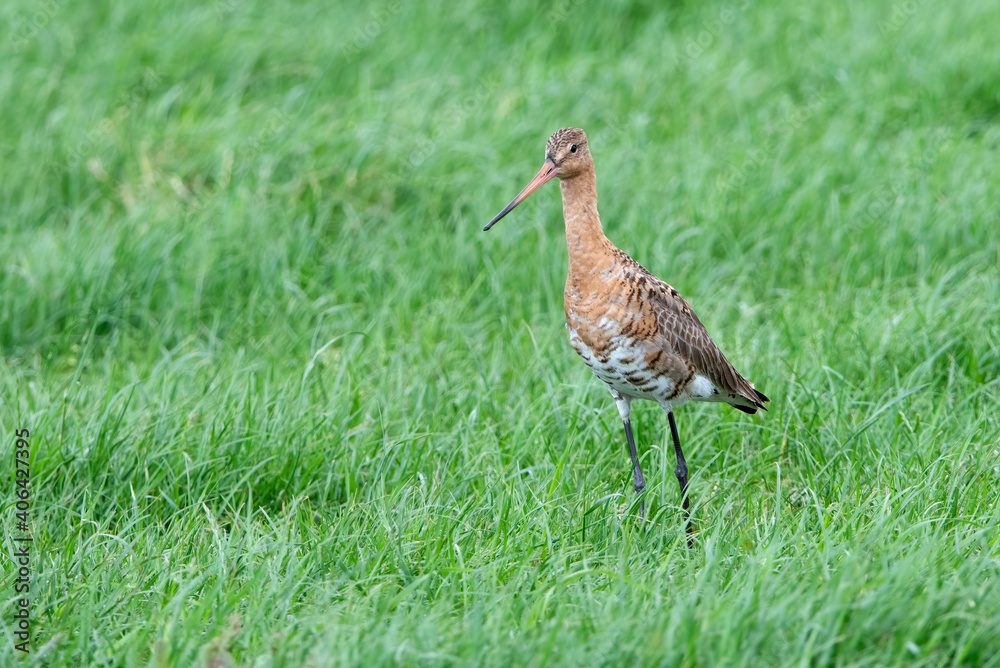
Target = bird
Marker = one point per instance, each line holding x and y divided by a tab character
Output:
633	330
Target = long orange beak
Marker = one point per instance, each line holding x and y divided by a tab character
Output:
546	173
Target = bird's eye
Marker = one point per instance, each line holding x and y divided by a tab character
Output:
572	149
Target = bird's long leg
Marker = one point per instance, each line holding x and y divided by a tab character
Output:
640	482
681	472
625	409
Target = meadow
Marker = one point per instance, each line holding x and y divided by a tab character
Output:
290	406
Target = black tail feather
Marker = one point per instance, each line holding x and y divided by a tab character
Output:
758	403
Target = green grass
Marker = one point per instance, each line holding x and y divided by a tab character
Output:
291	406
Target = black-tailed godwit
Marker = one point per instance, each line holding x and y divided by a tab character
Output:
634	331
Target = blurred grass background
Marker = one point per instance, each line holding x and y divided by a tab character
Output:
290	406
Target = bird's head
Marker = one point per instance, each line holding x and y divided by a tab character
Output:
566	155
567	150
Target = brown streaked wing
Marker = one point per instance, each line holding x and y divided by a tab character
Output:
682	332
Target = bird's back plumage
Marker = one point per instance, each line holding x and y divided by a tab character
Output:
640	337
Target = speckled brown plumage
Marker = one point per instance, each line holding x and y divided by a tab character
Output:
658	333
633	330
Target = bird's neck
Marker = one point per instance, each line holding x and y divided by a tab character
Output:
584	234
